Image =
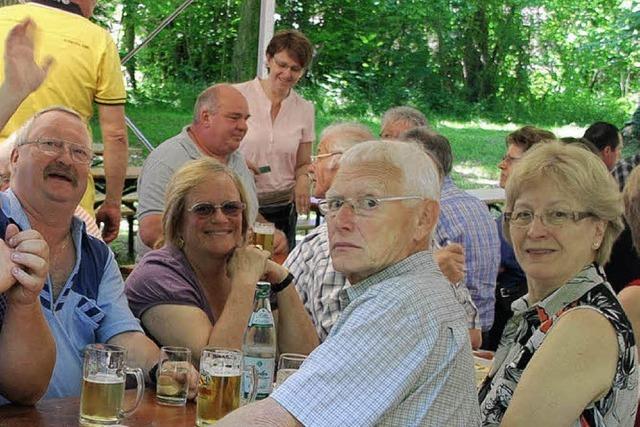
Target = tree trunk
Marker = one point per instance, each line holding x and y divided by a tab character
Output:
245	50
128	40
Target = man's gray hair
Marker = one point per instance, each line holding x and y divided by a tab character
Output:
345	135
406	114
419	172
207	100
22	134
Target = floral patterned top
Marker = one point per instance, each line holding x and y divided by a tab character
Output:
526	331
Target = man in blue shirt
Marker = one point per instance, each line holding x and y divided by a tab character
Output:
83	297
24	255
399	355
466	220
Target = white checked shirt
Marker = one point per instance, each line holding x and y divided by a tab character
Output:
319	285
398	356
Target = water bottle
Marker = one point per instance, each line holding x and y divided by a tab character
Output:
259	343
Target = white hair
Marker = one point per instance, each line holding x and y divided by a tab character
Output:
419	172
346	134
406	114
22	134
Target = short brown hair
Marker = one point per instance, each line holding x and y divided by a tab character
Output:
295	43
527	136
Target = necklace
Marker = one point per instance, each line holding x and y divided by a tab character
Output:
58	271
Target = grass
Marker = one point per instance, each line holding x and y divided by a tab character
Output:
477	146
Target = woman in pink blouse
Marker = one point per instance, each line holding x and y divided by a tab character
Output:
277	145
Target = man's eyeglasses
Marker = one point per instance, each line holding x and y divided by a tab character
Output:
228	208
364	206
549	218
52	147
324	156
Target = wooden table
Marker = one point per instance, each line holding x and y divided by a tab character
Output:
130	179
65	412
491	196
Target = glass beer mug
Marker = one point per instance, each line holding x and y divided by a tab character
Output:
221	372
103	380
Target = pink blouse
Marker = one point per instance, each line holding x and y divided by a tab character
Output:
275	144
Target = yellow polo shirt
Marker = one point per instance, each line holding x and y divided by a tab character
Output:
87	66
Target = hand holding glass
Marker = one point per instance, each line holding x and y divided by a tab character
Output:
172	384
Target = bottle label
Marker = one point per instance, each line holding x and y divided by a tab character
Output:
262	317
265	366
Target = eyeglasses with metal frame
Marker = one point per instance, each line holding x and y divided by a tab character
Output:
228	208
549	218
56	147
317	157
362	206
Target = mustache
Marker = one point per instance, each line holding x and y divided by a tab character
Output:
62	170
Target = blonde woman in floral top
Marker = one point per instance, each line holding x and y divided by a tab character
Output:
568	356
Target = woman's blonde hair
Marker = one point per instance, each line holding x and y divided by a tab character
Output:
574	171
631	197
183	181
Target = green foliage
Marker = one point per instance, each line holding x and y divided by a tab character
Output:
525	60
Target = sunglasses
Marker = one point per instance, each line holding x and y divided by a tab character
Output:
228	208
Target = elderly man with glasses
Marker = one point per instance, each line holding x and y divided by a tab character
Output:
83	297
399	354
318	283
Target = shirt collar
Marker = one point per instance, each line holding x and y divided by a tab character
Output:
65	5
588	278
12	208
407	265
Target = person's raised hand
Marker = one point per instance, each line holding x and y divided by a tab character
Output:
450	260
6	265
30	254
247	265
22	74
280	245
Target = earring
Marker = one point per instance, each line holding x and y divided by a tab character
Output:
596	245
180	242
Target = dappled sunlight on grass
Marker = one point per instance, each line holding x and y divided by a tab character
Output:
572	130
480	124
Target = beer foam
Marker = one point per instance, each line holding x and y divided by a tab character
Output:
103	378
221	371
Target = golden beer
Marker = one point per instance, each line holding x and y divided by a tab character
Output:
263	233
264	240
218	394
101	399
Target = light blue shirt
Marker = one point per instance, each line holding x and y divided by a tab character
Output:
399	356
466	220
91	307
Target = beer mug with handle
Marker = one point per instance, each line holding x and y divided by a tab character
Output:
221	372
103	380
